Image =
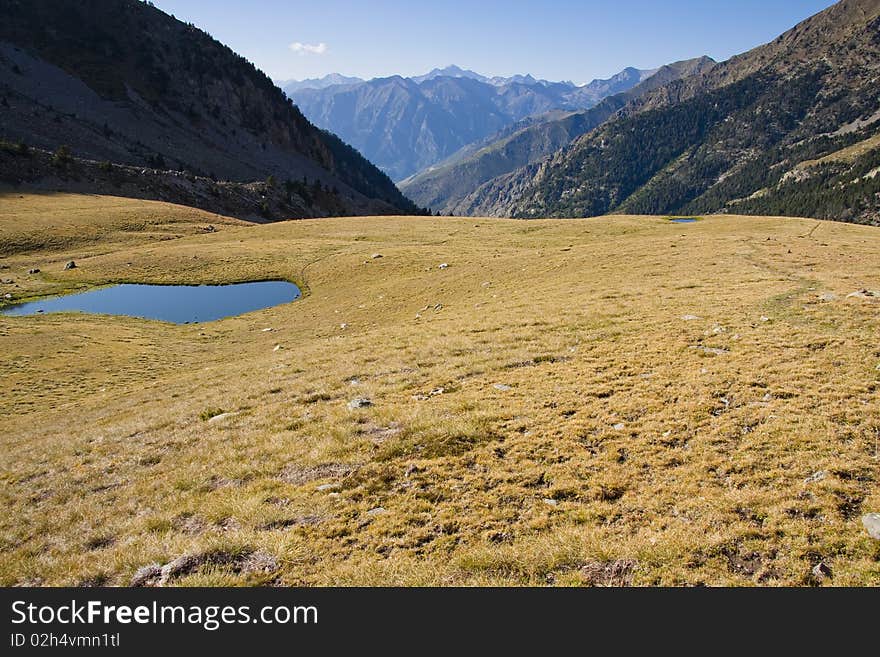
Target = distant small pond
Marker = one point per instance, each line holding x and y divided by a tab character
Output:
684	220
180	304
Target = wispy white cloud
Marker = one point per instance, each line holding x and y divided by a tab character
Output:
309	48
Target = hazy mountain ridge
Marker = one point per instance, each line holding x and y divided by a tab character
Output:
732	138
125	83
405	125
448	186
329	80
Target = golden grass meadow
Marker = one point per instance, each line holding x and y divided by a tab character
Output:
618	400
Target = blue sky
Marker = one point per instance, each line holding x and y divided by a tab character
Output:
553	39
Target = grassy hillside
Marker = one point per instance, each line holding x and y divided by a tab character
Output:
615	400
730	138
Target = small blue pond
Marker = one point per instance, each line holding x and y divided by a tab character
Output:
684	220
180	304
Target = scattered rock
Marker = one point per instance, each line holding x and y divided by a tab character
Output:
8	281
765	319
354	382
268	330
229	524
502	387
359	402
863	294
689	318
443	265
410	469
609	573
376	255
828	296
180	566
871	521
7	296
550	501
377	511
298	475
323	487
436	391
33	271
70	265
277	347
619	426
259	561
819	475
245	562
717	351
189	523
343	326
147	575
821	570
221	417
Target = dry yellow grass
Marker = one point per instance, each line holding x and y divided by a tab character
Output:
542	413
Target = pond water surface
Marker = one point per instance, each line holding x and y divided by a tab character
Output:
684	220
180	304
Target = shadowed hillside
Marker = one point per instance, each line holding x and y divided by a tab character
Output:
121	82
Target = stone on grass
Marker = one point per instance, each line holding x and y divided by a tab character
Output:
147	575
821	570
377	511
819	475
221	417
443	265
689	318
871	521
359	402
70	265
502	387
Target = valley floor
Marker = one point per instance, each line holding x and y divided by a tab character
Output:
603	401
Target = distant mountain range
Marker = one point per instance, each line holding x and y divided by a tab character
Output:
291	86
451	71
791	127
446	187
405	125
129	98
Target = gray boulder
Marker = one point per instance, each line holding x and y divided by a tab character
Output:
871	521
